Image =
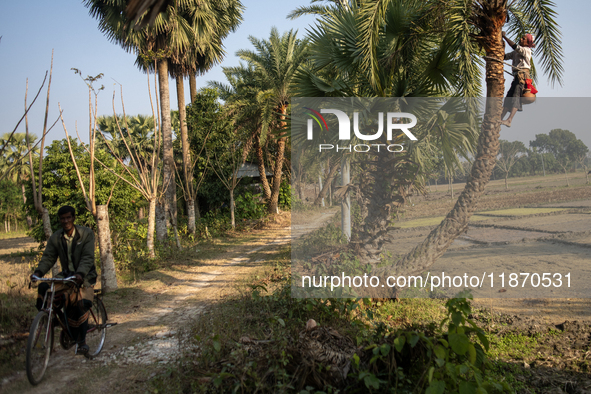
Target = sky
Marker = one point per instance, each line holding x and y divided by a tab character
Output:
31	29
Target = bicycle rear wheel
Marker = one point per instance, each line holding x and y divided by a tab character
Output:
39	345
95	336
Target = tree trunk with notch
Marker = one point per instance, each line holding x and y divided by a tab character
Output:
456	221
108	272
151	227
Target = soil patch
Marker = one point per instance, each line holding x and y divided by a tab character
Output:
557	223
492	235
17	245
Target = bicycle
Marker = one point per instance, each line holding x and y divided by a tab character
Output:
41	334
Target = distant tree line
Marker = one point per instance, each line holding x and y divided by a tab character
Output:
559	151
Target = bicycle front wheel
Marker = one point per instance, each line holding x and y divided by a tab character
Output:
39	345
96	334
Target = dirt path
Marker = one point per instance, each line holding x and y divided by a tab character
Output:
151	319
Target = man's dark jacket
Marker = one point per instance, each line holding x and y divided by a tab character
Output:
82	253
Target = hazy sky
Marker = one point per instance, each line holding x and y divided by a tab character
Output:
31	29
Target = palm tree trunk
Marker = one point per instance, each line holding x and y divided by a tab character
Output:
168	155
456	222
192	86
262	170
278	169
277	173
180	89
108	273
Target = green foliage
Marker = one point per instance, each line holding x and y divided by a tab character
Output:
209	129
563	144
61	187
285	195
249	206
319	241
11	201
129	246
137	130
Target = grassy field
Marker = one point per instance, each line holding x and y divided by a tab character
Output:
13	234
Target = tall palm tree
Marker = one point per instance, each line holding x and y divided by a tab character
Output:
476	25
245	102
176	31
458	32
206	51
276	62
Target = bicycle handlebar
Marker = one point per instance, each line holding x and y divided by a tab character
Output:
35	278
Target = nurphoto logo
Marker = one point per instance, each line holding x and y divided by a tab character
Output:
393	122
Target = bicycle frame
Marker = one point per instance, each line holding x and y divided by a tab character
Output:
50	311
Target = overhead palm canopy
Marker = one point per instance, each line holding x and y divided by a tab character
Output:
136	8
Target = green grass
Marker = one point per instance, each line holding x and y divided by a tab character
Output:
512	346
522	211
426	222
434	221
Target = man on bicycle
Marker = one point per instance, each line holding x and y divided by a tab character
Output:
74	245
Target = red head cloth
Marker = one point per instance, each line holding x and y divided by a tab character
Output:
529	40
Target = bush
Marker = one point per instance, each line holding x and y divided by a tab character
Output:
285	195
129	246
249	206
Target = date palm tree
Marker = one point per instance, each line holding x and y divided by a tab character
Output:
476	26
413	63
368	47
245	101
275	62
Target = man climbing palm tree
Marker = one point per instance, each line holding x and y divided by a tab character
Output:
521	57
